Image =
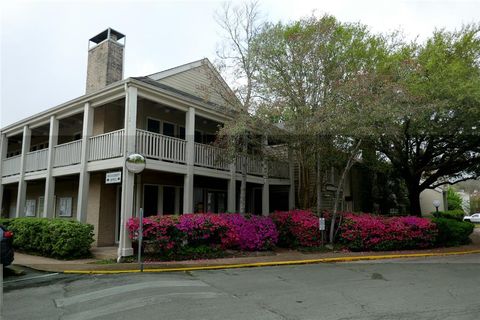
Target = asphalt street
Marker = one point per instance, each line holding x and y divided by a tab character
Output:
423	288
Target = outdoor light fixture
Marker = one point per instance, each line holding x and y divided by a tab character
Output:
436	204
135	164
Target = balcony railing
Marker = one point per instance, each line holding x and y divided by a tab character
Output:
159	146
254	165
278	169
67	154
11	166
36	160
106	146
210	157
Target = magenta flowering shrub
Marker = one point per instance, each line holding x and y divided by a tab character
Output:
377	233
225	231
297	228
206	229
252	233
161	232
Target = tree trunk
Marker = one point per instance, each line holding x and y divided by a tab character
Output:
319	187
414	197
243	186
340	184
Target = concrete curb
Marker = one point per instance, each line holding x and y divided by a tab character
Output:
275	263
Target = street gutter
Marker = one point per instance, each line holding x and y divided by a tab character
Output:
275	263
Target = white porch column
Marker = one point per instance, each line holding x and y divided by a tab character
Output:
3	155
291	174
22	184
128	178
189	157
266	186
84	179
49	197
232	196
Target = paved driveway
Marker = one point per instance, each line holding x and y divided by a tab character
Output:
427	288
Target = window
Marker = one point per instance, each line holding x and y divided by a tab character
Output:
65	207
41	203
198	136
169	129
153	125
30	208
181	132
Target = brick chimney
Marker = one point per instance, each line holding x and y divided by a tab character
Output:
105	60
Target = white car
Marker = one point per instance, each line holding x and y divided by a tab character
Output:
473	218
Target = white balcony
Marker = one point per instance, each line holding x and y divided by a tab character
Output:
160	147
153	145
106	146
11	166
67	154
36	160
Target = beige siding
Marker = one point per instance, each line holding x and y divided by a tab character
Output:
196	81
102	210
66	188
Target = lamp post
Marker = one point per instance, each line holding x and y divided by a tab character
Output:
135	164
436	204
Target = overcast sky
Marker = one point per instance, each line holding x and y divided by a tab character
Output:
44	43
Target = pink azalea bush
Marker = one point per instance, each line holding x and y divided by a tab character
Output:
253	233
162	232
206	229
224	231
297	228
377	233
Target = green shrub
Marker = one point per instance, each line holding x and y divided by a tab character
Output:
457	214
452	232
58	238
5	222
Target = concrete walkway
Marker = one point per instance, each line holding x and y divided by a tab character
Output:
278	257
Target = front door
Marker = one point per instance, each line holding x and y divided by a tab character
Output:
150	200
216	201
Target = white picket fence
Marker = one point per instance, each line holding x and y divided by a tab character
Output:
67	154
106	146
158	146
36	160
11	166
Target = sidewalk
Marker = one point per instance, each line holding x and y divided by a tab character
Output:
279	257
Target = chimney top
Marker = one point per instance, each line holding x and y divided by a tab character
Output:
107	34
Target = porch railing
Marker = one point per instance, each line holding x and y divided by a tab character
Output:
210	157
278	169
11	166
158	146
106	146
36	160
67	154
254	165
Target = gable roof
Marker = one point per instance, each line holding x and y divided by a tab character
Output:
201	79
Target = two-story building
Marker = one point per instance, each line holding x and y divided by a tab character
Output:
69	161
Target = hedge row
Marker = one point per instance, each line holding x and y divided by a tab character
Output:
170	234
57	238
450	214
297	228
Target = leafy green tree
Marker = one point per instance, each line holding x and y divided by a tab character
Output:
454	200
433	135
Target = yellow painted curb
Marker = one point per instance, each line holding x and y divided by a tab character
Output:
275	263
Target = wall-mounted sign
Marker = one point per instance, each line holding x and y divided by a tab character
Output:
321	224
113	177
